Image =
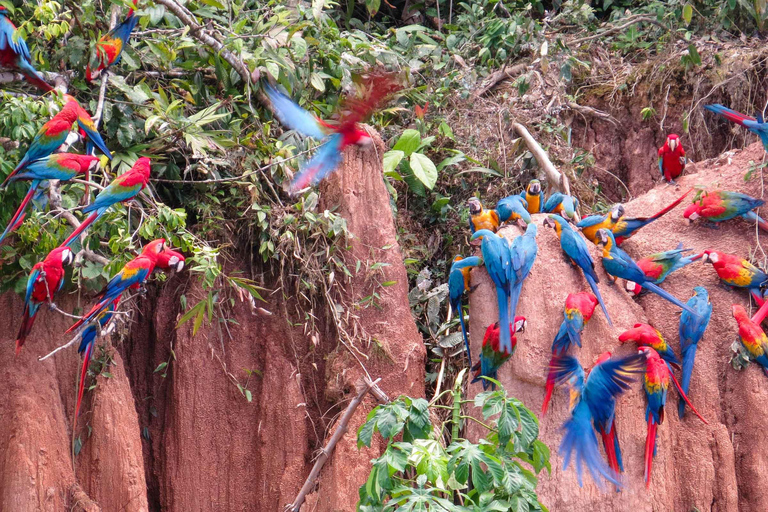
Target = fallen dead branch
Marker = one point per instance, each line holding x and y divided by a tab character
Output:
555	179
589	111
494	78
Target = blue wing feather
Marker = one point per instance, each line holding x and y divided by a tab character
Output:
326	159
293	116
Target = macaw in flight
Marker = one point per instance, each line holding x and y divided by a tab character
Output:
656	386
692	329
458	283
58	166
757	126
45	279
133	274
671	158
534	196
377	87
110	46
14	53
619	264
593	402
721	205
480	218
737	272
591	225
123	188
579	308
523	251
575	249
563	205
513	208
658	266
626	227
491	355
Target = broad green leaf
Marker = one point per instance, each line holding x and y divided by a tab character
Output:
317	82
408	142
424	169
687	13
392	160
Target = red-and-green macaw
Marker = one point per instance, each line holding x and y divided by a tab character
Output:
752	337
110	46
513	208
88	128
87	340
737	272
593	402
58	166
656	386
480	218
377	87
523	251
491	355
657	267
45	279
626	227
579	308
534	196
619	264
563	205
133	274
721	205
591	225
458	283
170	260
575	248
123	188
14	53
757	126
671	158
692	329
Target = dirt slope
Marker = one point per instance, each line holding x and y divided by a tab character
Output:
718	467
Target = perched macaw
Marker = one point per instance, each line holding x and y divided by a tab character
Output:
593	401
737	272
170	260
721	205
377	87
480	218
513	208
692	328
619	264
752	337
458	283
671	158
491	356
87	340
45	279
14	53
498	262
123	188
110	46
534	196
133	274
563	205
756	126
591	225
58	166
523	252
625	228
657	267
656	386
575	248
579	308
88	128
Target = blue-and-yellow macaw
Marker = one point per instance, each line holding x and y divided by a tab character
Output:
591	225
692	329
563	205
458	283
14	53
513	208
534	196
481	218
109	47
575	248
757	126
491	355
523	253
626	227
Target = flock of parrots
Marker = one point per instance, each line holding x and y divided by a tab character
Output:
508	262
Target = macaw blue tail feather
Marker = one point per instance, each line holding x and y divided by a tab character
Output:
514	298
459	312
761	223
505	341
579	438
689	356
596	291
668	296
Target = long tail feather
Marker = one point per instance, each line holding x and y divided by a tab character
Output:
650	442
762	312
464	332
761	222
685	397
668	296
549	388
689	356
87	222
671	206
610	449
505	341
731	115
13	224
26	326
514	298
95	310
579	437
83	371
596	291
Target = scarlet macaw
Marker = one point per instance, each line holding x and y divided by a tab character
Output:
737	272
534	196
671	158
491	356
58	166
619	264
756	126
579	308
721	205
657	267
458	283
575	248
170	260
625	228
656	386
523	253
692	329
123	188
563	205
591	225
498	262
110	46
513	208
480	218
377	88
14	53
87	340
133	274
45	279
88	128
593	402
752	337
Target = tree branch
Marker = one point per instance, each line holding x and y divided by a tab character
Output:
554	177
498	76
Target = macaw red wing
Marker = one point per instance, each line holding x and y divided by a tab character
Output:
376	87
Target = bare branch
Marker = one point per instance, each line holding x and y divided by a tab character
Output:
555	178
499	76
